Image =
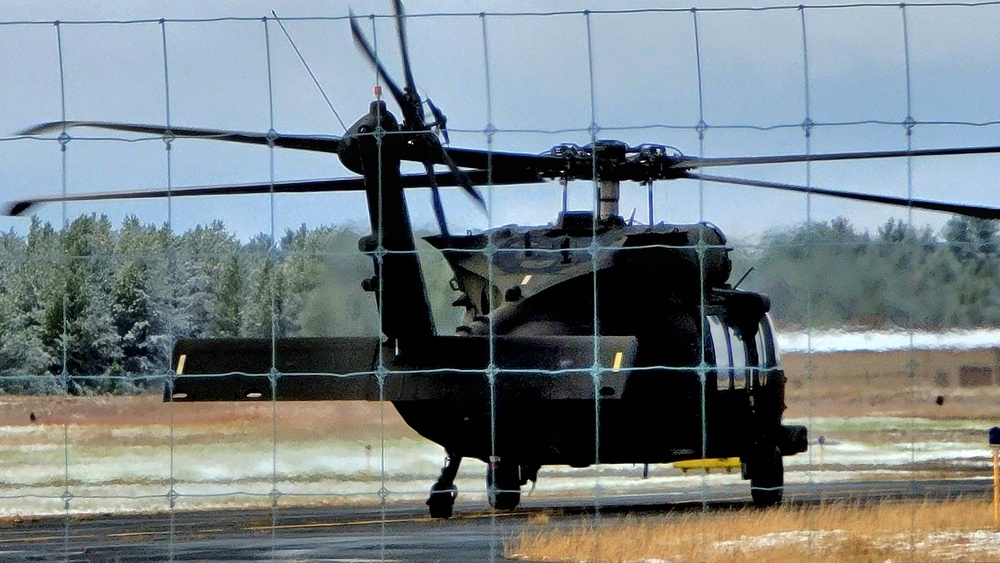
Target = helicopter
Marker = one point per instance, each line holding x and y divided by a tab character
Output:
550	365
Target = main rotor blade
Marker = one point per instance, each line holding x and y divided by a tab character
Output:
978	211
690	163
294	187
508	162
314	143
465	158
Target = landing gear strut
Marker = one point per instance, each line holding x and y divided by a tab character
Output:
503	485
444	492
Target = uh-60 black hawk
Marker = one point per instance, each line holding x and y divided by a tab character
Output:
551	365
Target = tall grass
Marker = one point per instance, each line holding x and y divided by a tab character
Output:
835	532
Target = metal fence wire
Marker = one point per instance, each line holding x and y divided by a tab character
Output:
94	296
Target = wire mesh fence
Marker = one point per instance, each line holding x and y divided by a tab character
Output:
885	315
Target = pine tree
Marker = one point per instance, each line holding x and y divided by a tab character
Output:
229	309
200	260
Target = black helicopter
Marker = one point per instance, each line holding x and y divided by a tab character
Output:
551	365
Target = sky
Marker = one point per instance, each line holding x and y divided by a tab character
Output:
539	80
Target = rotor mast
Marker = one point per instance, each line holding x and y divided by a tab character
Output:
609	191
608	155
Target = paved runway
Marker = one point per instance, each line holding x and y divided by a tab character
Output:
397	533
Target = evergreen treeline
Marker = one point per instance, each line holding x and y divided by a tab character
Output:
831	275
87	302
91	308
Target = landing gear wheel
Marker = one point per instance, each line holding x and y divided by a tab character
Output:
503	486
444	492
442	500
767	477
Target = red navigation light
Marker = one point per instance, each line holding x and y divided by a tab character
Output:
378	92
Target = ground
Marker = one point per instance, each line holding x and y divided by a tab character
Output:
881	415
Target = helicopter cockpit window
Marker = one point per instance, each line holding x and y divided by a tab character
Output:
731	357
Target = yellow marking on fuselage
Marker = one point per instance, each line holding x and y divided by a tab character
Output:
180	364
618	361
527	278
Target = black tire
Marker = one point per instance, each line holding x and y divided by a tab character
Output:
503	486
442	502
767	477
440	509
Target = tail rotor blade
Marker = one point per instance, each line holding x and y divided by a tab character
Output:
440	121
413	113
366	48
436	201
416	110
463	179
397	6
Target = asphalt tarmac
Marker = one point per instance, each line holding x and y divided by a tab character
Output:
393	533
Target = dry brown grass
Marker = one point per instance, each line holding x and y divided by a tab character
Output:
297	420
841	533
841	384
904	384
897	383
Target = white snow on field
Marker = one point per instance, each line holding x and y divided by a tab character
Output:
979	545
130	479
780	539
821	341
894	455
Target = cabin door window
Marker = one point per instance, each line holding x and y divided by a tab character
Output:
732	356
767	352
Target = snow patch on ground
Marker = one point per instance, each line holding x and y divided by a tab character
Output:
979	545
780	539
822	341
890	455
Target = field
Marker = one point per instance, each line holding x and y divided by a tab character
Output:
831	533
135	453
879	416
301	420
895	383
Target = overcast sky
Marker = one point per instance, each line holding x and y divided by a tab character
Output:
645	77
